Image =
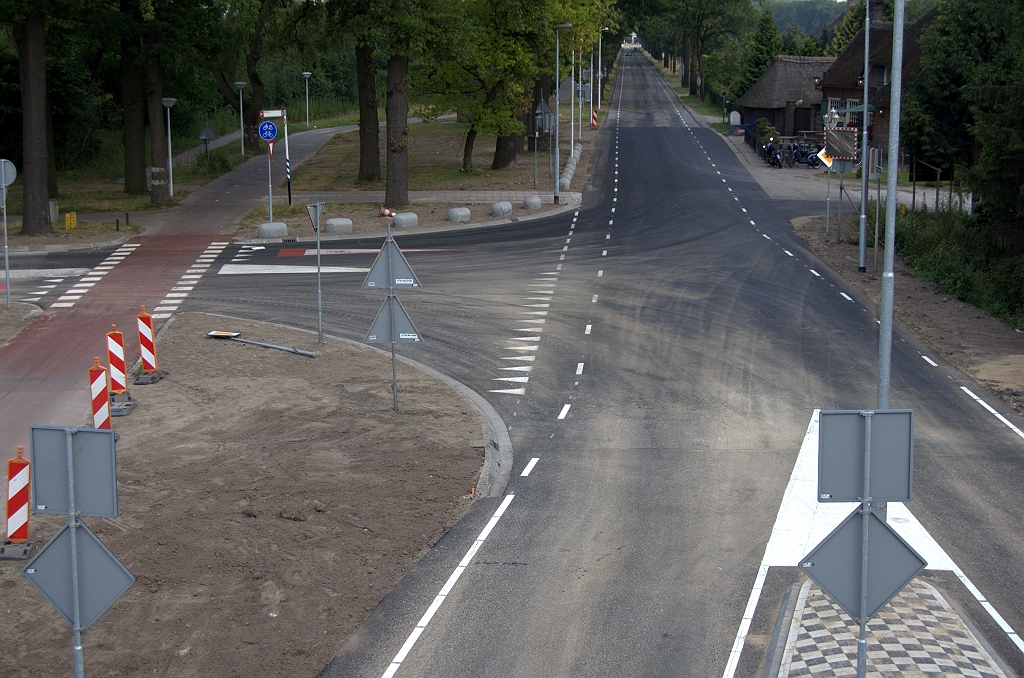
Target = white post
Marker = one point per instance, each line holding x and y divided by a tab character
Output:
241	118
591	88
270	180
305	74
572	102
287	157
864	169
558	85
600	72
168	102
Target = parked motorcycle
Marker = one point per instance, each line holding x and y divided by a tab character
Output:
772	154
806	155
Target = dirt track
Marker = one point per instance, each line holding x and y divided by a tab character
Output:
268	502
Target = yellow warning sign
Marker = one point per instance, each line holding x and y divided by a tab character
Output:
70	220
824	158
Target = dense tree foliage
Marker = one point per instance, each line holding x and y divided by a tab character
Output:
764	44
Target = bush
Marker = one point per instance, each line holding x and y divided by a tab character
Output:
765	129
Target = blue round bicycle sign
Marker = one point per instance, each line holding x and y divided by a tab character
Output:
268	130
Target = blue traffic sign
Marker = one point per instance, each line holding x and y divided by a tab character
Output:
268	130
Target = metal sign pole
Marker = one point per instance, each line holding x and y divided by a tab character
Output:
288	158
319	297
865	509
862	246
839	221
270	180
73	523
7	263
391	317
828	200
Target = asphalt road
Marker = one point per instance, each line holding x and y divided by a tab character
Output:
691	336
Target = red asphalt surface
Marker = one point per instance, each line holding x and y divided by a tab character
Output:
44	369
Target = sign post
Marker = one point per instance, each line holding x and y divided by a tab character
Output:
268	131
865	456
283	114
315	211
8	174
60	455
392	324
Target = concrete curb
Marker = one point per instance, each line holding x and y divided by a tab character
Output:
79	247
433	229
498	456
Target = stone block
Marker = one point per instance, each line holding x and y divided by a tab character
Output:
273	229
532	203
563	183
458	214
405	220
337	225
501	209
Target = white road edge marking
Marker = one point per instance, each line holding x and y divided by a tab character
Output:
587	331
446	589
802	523
529	467
846	296
565	411
929	361
815	273
997	416
579	368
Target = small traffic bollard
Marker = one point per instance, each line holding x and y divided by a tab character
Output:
99	395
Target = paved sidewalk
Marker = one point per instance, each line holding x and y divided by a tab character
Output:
917	634
421	197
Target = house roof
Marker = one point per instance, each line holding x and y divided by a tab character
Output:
788	78
850	64
911	56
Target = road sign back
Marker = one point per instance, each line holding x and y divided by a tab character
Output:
94	459
102	579
401	271
381	330
835	564
8	173
841	455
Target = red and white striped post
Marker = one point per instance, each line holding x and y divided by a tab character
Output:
593	119
115	360
19	472
147	345
100	395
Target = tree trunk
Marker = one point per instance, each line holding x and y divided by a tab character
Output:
154	95
467	150
506	150
32	52
369	123
701	83
131	104
396	189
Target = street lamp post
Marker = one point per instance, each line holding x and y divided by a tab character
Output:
306	74
558	84
600	73
863	235
168	102
241	117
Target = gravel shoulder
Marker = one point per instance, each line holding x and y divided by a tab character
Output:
268	502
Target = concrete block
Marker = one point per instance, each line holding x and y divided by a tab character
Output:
501	209
337	225
563	184
405	220
577	150
458	214
273	229
532	203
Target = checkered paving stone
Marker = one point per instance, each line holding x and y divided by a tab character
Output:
916	634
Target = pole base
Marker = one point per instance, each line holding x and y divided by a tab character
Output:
9	551
862	269
150	377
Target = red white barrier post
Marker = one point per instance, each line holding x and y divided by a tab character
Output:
100	395
19	472
147	346
115	360
593	119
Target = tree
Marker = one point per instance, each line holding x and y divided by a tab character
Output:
853	22
708	20
30	36
808	47
132	99
354	18
763	45
792	38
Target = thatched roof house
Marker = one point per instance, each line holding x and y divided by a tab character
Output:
786	94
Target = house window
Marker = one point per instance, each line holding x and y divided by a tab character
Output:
884	72
852	118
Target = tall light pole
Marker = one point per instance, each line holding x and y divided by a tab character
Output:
599	71
168	102
241	117
306	75
558	85
864	169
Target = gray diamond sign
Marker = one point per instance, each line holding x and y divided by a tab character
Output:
102	579
835	564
